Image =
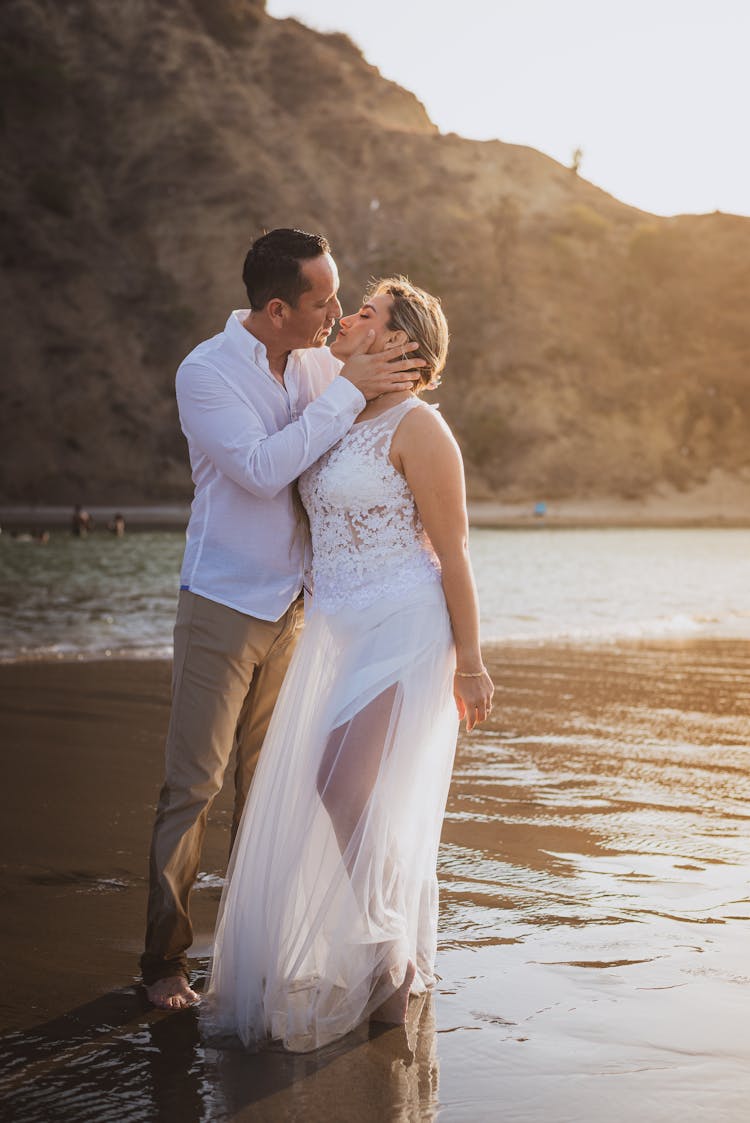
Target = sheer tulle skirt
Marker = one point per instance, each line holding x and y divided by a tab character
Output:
331	888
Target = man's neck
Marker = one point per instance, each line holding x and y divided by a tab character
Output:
276	358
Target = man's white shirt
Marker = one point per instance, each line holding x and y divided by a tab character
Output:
249	439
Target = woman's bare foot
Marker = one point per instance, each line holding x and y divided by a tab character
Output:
172	993
393	1010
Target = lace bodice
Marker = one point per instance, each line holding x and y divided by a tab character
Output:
367	537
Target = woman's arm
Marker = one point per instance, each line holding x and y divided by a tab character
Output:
425	452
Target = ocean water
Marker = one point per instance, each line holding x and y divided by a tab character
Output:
105	597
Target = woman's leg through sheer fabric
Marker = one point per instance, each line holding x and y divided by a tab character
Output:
351	763
349	768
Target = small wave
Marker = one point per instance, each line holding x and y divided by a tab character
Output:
209	881
677	626
68	653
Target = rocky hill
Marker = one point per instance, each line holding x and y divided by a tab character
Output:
596	350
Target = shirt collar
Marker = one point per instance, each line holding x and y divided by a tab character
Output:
250	347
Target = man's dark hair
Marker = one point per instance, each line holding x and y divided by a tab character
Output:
272	266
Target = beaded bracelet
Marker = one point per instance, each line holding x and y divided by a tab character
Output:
472	674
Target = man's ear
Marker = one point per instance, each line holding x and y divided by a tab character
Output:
276	309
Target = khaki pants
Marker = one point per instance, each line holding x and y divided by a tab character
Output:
228	669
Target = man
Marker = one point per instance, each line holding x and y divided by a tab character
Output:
258	404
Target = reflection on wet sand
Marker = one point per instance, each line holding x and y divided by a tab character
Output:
375	1073
115	1059
595	910
600	833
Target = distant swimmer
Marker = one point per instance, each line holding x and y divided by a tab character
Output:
39	536
117	525
81	522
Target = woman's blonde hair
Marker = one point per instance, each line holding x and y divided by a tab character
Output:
420	316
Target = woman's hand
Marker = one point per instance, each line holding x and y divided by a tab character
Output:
473	698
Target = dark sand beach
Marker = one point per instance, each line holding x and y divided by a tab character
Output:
595	907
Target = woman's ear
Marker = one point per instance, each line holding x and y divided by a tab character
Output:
397	339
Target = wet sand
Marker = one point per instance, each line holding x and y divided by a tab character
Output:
595	908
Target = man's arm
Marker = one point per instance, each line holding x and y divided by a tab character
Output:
231	434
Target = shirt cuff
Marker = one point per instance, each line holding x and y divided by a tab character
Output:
345	396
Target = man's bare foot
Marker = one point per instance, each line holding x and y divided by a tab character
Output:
172	993
393	1010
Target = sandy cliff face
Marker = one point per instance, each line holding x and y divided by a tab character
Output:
596	349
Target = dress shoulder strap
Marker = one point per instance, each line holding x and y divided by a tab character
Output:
396	416
392	417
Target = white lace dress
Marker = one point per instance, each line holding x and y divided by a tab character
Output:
332	888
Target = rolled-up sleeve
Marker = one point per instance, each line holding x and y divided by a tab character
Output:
225	427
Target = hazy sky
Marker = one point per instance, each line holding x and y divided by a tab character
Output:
656	92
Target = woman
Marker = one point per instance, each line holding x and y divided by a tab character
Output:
330	911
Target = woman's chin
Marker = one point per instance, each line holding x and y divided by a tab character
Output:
338	349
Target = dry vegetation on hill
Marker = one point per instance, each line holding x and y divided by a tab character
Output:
596	349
